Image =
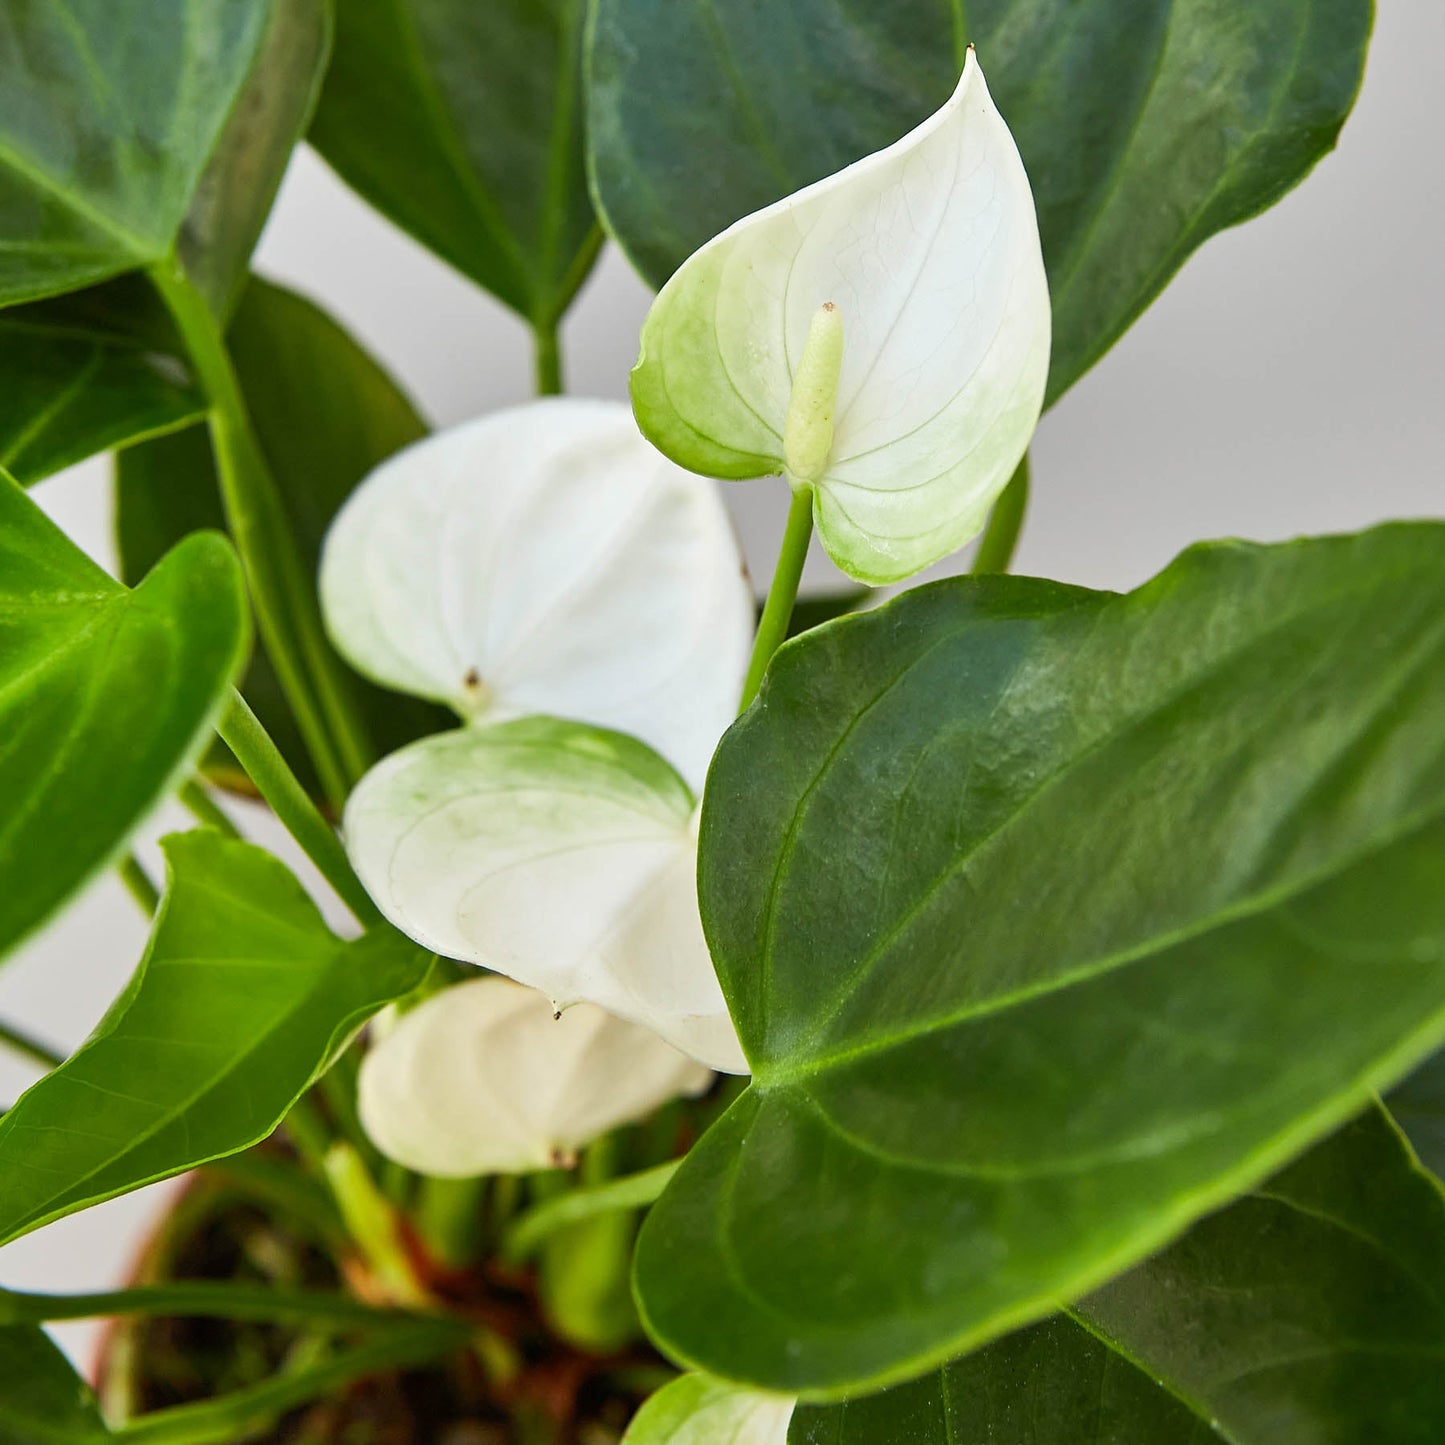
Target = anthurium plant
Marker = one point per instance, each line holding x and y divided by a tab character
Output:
982	1011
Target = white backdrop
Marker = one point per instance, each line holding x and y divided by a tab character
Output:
1291	380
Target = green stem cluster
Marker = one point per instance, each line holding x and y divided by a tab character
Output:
282	595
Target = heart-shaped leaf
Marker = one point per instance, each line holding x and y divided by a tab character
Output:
1313	1311
1051	920
484	1078
42	1400
558	854
463	124
124	135
694	1410
546	560
106	697
1146	127
243	998
325	414
927	256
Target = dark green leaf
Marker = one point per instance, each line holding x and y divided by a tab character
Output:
1419	1108
111	116
1051	920
326	414
83	373
42	1400
234	197
106	696
1145	127
463	124
811	612
1312	1311
102	367
241	1001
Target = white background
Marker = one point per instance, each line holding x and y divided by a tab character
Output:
1291	380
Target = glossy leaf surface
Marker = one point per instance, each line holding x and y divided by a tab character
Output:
114	123
694	1410
483	1078
77	378
326	413
1145	128
546	560
241	1001
1312	1311
1418	1106
106	697
558	854
42	1400
1050	920
922	263
463	124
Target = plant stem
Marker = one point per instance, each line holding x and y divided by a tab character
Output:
196	798
281	590
202	1299
450	1217
778	610
242	732
237	1416
1001	536
372	1224
19	1042
548	358
632	1191
138	884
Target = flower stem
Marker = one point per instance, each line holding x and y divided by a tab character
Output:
548	358
1001	536
196	798
28	1047
138	884
778	610
281	591
242	732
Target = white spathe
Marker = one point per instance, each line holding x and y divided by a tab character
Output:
698	1410
484	1079
558	854
930	253
547	560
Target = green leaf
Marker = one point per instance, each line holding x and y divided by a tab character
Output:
119	132
1145	128
82	373
1051	920
694	1410
232	201
1418	1106
814	611
463	124
326	414
243	998
106	697
42	1400
1311	1311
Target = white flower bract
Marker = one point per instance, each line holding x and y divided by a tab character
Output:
930	252
547	560
482	1078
